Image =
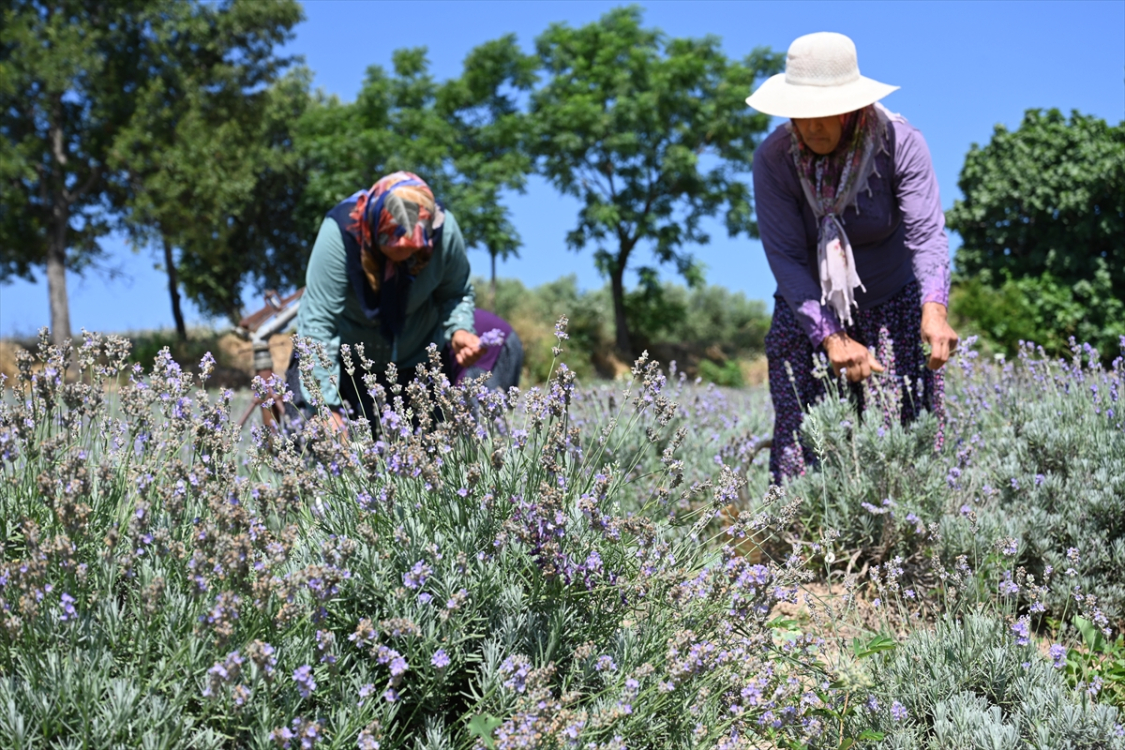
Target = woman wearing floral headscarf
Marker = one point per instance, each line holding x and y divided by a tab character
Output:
389	272
852	226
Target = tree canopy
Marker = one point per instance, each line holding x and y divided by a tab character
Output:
651	134
191	161
1047	197
77	88
1043	229
463	136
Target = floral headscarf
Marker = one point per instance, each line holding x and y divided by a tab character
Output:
831	183
398	211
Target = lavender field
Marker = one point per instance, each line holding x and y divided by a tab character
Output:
575	565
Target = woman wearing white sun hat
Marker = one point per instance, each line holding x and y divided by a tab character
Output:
852	226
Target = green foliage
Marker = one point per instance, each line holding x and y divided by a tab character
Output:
708	326
195	156
1042	223
1045	310
650	133
1041	478
1048	471
968	684
84	85
875	478
1097	660
728	374
463	136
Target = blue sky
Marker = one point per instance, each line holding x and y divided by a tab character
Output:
964	67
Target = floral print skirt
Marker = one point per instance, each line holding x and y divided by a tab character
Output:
893	329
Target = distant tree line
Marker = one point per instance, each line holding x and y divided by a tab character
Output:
180	124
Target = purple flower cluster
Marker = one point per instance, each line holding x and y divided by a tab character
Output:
415	578
303	676
492	338
516	669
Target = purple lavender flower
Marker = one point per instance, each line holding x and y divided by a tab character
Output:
416	577
282	737
391	695
492	338
309	734
303	676
605	664
440	659
241	695
516	668
1058	653
898	711
365	692
325	641
1022	629
263	656
68	611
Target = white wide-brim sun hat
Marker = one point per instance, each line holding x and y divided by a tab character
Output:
821	79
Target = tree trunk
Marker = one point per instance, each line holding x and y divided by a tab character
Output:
174	290
56	273
56	233
623	345
492	288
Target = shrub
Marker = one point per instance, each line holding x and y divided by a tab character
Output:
165	582
1034	452
689	326
877	483
1044	309
970	683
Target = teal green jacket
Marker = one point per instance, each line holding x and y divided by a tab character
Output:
441	301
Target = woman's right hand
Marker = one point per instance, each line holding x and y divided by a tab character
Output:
850	356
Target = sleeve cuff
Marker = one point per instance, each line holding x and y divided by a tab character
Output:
941	296
818	321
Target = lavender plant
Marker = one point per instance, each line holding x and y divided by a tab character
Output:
491	571
976	683
1023	503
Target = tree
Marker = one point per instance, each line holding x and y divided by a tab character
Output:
650	133
72	84
463	137
491	155
192	156
1043	230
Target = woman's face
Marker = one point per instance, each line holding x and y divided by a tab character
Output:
821	134
397	254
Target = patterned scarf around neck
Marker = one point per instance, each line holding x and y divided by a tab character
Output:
831	183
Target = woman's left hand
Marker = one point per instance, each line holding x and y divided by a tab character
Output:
937	332
466	347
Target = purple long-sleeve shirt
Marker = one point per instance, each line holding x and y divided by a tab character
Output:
897	235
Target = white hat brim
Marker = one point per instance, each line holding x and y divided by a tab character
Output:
780	98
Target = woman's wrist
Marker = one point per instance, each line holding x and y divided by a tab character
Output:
834	341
